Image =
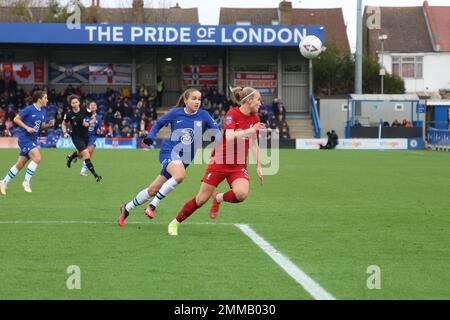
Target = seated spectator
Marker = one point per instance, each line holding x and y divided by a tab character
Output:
284	134
264	117
332	141
125	92
274	106
228	103
141	104
282	123
273	124
357	123
395	123
385	124
3	129
10	114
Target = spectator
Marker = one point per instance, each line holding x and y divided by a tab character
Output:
357	123
285	133
10	114
282	123
2	85
160	87
3	129
125	92
334	139
228	103
69	91
264	117
329	143
12	86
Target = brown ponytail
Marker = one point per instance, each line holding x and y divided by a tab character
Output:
184	96
240	95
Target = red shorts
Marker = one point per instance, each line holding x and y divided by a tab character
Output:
215	175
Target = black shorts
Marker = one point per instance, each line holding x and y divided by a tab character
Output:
81	143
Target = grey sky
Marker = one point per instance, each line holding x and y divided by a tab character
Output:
209	9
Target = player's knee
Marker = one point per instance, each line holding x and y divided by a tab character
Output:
201	199
19	165
152	191
179	178
37	160
241	195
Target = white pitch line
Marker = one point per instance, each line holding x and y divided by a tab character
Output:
312	287
103	222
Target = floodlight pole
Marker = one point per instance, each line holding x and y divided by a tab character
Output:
382	70
358	53
382	66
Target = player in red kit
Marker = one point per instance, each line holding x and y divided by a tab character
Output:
229	159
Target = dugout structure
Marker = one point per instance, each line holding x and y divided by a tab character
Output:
372	116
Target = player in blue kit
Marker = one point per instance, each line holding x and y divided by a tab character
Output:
94	129
31	121
188	124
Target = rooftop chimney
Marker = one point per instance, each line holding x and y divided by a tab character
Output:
285	11
138	11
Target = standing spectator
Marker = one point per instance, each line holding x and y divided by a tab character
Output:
12	86
160	87
2	85
3	127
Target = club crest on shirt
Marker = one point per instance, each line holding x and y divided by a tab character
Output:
229	119
188	136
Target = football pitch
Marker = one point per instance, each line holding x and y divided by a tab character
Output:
335	215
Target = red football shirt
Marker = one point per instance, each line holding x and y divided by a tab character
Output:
233	154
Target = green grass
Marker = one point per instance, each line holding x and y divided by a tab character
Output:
332	213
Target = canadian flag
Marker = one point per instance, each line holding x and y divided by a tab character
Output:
24	72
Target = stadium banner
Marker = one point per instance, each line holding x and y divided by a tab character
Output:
200	75
7	143
265	82
120	143
110	73
356	144
68	73
438	137
67	143
416	144
130	34
23	72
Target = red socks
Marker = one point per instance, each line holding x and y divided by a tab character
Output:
229	196
187	210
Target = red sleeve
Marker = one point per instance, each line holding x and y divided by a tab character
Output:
230	120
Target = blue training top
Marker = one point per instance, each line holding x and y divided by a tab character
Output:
34	118
94	126
187	130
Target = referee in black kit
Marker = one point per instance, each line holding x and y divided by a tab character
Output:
78	117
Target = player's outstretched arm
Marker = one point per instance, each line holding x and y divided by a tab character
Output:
239	134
